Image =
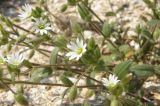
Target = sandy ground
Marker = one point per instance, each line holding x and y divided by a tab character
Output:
51	96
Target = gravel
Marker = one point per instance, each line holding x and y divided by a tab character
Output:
51	96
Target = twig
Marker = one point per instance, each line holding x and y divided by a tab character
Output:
5	85
27	30
141	98
49	84
92	12
108	40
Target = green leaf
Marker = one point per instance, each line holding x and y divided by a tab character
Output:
143	70
100	66
90	57
12	68
84	13
146	40
89	82
156	34
65	80
38	74
27	64
89	93
157	70
110	58
122	69
8	22
149	3
64	7
9	46
110	13
76	28
72	93
106	30
153	22
134	85
60	41
53	57
111	48
21	38
21	99
71	2
124	48
138	29
97	53
147	35
31	53
91	44
36	13
19	88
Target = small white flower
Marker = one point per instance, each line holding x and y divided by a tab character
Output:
26	11
42	26
111	81
77	49
15	59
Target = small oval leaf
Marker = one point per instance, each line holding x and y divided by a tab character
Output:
53	57
65	80
106	30
143	70
19	97
72	93
122	69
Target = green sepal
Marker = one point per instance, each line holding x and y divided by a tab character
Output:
19	97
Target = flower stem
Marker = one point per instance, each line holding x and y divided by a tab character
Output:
8	81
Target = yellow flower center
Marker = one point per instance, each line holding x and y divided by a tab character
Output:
16	63
111	85
41	26
79	50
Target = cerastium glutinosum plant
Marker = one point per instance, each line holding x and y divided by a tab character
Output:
123	69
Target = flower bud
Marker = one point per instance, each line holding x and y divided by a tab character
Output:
19	97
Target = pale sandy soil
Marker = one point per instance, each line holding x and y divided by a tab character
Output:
51	96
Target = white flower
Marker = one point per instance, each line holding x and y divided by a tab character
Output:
111	81
26	11
15	59
41	26
77	49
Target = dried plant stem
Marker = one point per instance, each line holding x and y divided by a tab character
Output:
76	71
141	98
108	40
19	27
92	12
99	30
47	84
6	86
